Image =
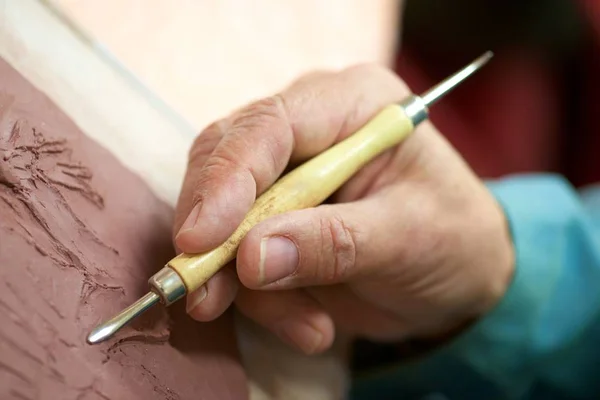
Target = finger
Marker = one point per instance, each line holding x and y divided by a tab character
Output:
416	156
357	317
363	182
333	244
214	297
263	137
293	316
326	109
201	149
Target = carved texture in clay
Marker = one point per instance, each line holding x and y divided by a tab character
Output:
79	237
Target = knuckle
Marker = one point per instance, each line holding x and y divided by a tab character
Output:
311	78
205	143
259	114
263	126
219	165
368	71
339	248
223	159
373	86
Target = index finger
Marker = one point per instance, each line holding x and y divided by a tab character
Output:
262	138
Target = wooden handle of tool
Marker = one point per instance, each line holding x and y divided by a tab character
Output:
306	186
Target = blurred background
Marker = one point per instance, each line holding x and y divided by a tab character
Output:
532	109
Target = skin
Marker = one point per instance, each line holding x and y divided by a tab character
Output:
413	246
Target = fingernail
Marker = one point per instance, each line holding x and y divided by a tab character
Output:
191	220
278	259
301	334
196	298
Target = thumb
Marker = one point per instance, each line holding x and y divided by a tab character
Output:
325	245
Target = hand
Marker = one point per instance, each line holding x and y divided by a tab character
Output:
413	246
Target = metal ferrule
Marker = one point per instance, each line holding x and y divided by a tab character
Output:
168	285
415	109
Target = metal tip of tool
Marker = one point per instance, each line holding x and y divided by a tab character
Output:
108	328
438	91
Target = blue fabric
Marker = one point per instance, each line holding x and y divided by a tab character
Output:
542	341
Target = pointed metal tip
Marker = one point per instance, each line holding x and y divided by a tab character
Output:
101	333
483	59
110	327
441	89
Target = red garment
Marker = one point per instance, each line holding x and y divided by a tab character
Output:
511	116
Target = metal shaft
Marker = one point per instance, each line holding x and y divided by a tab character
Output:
108	328
417	107
445	86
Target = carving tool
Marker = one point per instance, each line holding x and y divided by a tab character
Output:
306	186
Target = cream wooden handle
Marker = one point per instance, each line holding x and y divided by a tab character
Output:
306	186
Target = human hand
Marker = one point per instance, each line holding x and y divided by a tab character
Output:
413	245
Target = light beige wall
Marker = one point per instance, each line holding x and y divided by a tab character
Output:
206	57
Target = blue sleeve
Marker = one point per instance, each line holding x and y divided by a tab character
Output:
545	333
